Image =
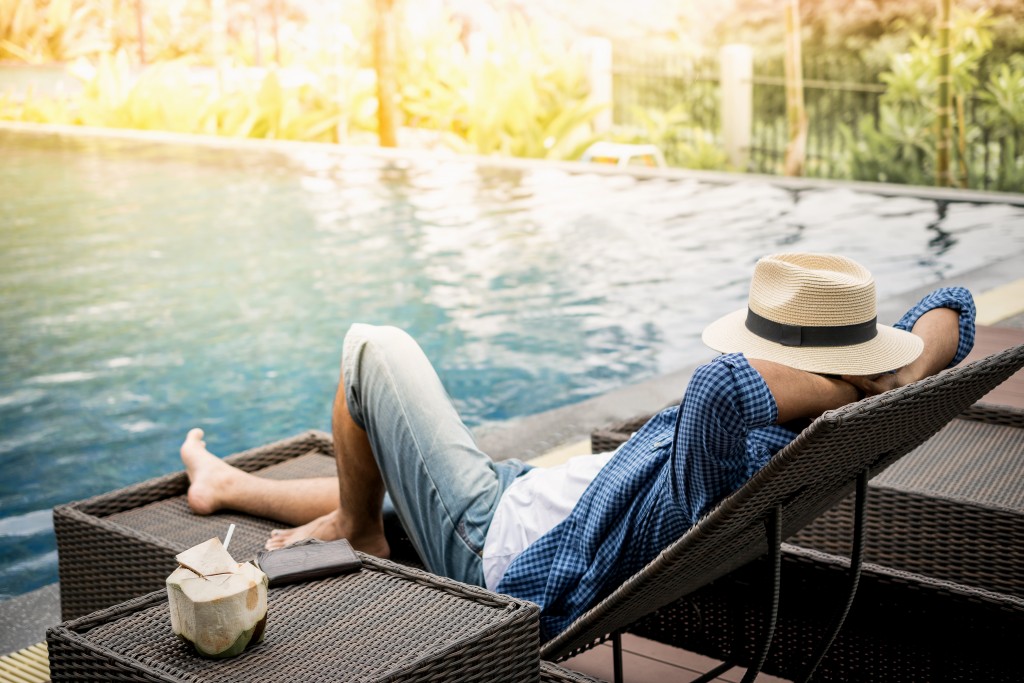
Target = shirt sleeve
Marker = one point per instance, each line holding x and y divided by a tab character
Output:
955	298
725	400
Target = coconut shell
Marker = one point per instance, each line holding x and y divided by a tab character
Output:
219	613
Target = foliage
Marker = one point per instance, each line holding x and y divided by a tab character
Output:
49	30
520	89
900	146
1002	112
38	31
683	142
167	97
518	94
867	32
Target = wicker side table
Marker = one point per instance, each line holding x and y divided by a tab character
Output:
120	545
952	510
386	622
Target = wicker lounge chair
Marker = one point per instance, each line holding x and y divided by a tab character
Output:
841	450
941	594
141	528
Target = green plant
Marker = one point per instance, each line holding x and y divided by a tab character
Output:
38	31
1002	111
1003	97
900	146
683	142
166	97
32	109
521	94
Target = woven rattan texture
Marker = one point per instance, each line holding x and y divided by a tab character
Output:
384	623
120	545
953	509
977	462
607	440
806	478
902	627
172	518
552	673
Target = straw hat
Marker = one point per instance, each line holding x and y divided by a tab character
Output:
814	312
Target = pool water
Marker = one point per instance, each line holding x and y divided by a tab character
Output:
148	288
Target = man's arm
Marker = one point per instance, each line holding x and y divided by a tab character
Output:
800	394
940	330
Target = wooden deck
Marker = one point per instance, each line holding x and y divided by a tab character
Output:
991	339
644	661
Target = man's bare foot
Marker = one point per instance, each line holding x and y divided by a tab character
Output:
329	528
325	528
208	475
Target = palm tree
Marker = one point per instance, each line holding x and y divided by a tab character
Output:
796	115
384	63
139	22
945	104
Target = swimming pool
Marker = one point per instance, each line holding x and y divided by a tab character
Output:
150	287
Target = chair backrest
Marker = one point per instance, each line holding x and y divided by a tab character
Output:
806	478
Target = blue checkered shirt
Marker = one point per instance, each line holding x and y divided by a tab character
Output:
671	473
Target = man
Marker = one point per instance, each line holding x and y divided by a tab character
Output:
565	537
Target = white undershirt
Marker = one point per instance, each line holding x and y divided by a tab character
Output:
531	506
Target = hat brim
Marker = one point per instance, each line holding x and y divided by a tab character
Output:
889	350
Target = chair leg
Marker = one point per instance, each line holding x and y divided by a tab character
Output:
714	673
856	560
773	532
617	656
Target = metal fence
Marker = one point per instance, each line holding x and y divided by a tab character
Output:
836	95
673	101
645	82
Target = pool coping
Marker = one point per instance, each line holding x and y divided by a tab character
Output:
793	184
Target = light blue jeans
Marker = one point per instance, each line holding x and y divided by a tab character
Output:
443	487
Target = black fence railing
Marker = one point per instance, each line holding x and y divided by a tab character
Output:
673	100
837	94
649	84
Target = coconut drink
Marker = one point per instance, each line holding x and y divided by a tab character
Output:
218	606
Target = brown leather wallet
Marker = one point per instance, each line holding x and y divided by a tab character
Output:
308	560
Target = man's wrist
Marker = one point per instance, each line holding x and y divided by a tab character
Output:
844	391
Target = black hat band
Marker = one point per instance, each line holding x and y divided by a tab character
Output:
803	335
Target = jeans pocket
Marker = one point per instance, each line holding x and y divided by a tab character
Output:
477	547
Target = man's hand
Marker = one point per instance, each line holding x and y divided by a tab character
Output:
877	384
940	330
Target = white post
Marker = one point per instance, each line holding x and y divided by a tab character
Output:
598	53
737	73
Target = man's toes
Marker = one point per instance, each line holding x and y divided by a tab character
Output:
277	539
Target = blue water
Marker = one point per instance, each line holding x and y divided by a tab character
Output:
149	288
